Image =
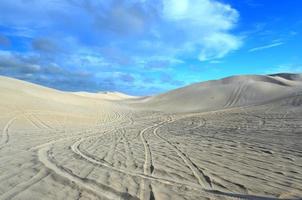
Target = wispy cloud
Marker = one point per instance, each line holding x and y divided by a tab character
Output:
114	35
266	46
285	68
205	26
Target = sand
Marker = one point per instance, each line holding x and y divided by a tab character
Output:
234	138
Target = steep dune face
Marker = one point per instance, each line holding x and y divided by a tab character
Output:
228	92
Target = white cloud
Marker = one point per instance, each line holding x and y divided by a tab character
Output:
127	30
218	45
285	68
175	9
266	46
206	23
208	14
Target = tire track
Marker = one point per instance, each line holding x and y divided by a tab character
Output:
200	124
145	192
146	189
146	178
235	96
202	179
24	185
129	154
261	122
42	123
28	117
5	134
231	98
113	149
75	148
45	156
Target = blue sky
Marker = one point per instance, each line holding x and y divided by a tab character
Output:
145	47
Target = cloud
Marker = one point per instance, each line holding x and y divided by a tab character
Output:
115	55
127	78
4	41
44	45
206	25
28	67
157	64
218	45
16	63
200	28
56	38
168	79
210	14
122	18
285	68
266	46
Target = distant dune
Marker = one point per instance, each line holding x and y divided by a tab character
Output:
227	92
105	95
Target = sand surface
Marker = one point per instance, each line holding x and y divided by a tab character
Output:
246	143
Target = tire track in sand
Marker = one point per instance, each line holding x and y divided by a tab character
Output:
145	192
75	148
5	135
46	158
24	185
128	152
146	189
201	177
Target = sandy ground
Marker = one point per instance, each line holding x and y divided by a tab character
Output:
57	145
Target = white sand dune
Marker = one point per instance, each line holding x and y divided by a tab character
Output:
23	97
106	95
240	138
228	92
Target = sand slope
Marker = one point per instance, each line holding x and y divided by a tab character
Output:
25	99
228	92
21	93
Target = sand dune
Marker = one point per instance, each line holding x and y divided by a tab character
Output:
21	98
228	92
24	93
106	95
240	138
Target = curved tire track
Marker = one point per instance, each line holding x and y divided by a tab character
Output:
45	157
202	179
5	135
75	148
24	185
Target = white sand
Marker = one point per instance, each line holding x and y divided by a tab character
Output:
225	93
60	145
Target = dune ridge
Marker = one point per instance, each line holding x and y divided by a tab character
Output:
228	92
